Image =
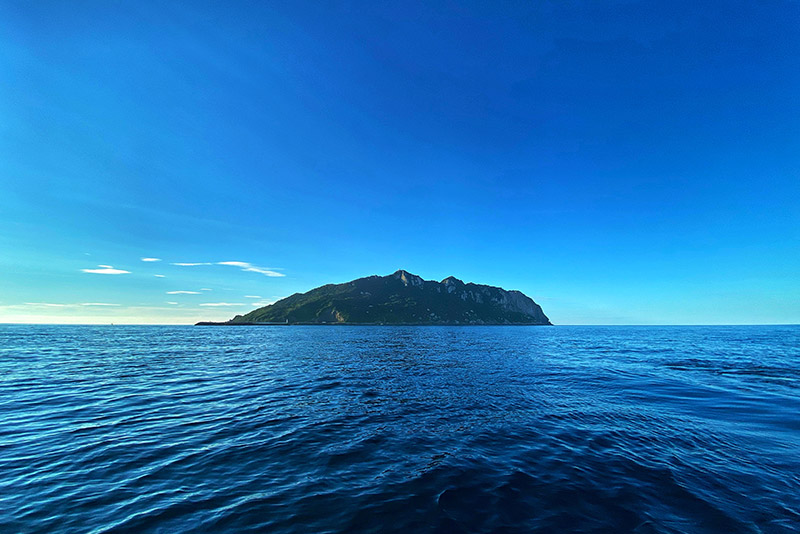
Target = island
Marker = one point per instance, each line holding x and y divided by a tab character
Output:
400	298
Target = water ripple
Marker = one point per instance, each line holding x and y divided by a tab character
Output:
399	429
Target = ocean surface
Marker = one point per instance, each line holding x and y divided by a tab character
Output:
313	429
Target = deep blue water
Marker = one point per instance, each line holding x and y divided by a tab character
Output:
399	429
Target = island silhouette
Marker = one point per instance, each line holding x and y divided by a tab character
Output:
400	298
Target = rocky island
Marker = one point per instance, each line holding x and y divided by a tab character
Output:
401	298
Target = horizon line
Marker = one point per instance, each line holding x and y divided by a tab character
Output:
445	325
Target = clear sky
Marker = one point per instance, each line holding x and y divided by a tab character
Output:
619	162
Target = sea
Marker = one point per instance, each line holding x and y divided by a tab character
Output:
340	429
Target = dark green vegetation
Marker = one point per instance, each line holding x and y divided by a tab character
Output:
400	298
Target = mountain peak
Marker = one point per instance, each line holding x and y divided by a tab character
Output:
450	280
407	278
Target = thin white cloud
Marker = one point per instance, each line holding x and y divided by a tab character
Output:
151	259
105	269
183	292
252	297
222	304
168	302
205	289
159	275
60	305
245	266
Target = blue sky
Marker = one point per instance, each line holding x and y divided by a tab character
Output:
619	162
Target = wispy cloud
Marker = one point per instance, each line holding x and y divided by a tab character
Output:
243	265
159	275
169	302
252	297
205	289
60	305
105	269
183	292
222	304
151	259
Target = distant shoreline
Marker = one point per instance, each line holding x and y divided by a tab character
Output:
225	323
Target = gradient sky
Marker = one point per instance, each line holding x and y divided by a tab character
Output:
621	163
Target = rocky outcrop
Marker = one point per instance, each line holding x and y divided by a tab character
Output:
401	298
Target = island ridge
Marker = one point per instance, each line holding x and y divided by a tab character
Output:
399	298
